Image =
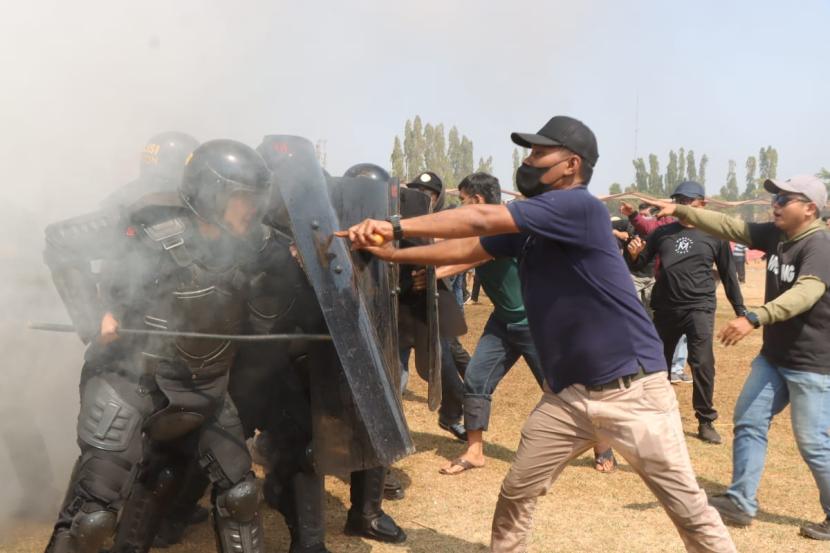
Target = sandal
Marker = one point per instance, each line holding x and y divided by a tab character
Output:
463	463
601	460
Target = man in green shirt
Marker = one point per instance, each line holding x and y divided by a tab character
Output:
506	335
793	367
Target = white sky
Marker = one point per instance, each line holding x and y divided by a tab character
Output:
87	82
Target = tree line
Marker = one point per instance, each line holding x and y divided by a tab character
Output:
429	148
682	166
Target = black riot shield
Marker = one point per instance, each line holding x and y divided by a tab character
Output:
367	428
420	323
355	199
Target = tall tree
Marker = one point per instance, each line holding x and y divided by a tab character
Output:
485	166
466	158
409	150
398	160
691	168
615	188
671	180
751	167
454	153
681	166
772	162
655	180
730	190
442	160
640	175
419	155
824	175
763	165
701	173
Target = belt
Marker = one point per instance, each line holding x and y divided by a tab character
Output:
618	383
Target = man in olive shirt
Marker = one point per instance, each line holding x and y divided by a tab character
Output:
793	366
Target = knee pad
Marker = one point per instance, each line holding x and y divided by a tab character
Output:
241	502
90	530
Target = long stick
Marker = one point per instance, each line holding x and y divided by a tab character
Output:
59	327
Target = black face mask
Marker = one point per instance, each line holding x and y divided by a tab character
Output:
528	179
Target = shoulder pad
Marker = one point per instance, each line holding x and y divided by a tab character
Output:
168	235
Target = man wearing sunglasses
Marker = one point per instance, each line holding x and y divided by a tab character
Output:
793	366
683	298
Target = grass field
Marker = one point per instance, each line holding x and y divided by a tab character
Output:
585	510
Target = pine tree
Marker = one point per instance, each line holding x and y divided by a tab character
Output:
751	167
691	168
640	175
615	188
681	166
671	179
467	158
655	180
701	174
398	160
730	190
454	154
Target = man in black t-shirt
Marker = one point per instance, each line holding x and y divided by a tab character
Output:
794	364
683	298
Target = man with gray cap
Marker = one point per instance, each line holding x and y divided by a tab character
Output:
793	367
683	298
603	366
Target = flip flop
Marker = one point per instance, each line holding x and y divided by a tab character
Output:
463	463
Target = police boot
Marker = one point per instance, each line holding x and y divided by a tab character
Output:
392	487
366	518
304	511
184	511
141	516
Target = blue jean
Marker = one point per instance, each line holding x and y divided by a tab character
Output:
681	353
767	391
497	351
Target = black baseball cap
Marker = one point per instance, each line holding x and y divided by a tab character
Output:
563	131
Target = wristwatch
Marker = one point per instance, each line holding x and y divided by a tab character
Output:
397	231
752	318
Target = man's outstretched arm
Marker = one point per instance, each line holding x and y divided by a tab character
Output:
446	252
463	222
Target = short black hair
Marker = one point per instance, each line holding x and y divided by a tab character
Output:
483	184
586	171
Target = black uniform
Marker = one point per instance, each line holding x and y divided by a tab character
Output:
142	394
684	300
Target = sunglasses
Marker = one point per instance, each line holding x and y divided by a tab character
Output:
782	200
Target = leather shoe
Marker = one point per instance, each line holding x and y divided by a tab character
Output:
380	527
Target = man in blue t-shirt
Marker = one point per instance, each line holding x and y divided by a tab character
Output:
603	367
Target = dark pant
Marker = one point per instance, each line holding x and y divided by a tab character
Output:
452	387
476	288
740	267
497	351
698	326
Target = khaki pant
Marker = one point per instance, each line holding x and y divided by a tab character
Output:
642	423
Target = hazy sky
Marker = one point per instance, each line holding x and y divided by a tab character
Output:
86	83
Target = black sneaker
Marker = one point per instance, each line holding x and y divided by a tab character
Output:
456	429
817	530
730	512
707	433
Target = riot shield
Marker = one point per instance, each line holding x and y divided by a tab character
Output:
380	436
424	323
355	199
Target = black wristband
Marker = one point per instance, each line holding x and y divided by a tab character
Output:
753	319
397	231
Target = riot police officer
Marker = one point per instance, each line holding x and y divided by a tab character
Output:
184	264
